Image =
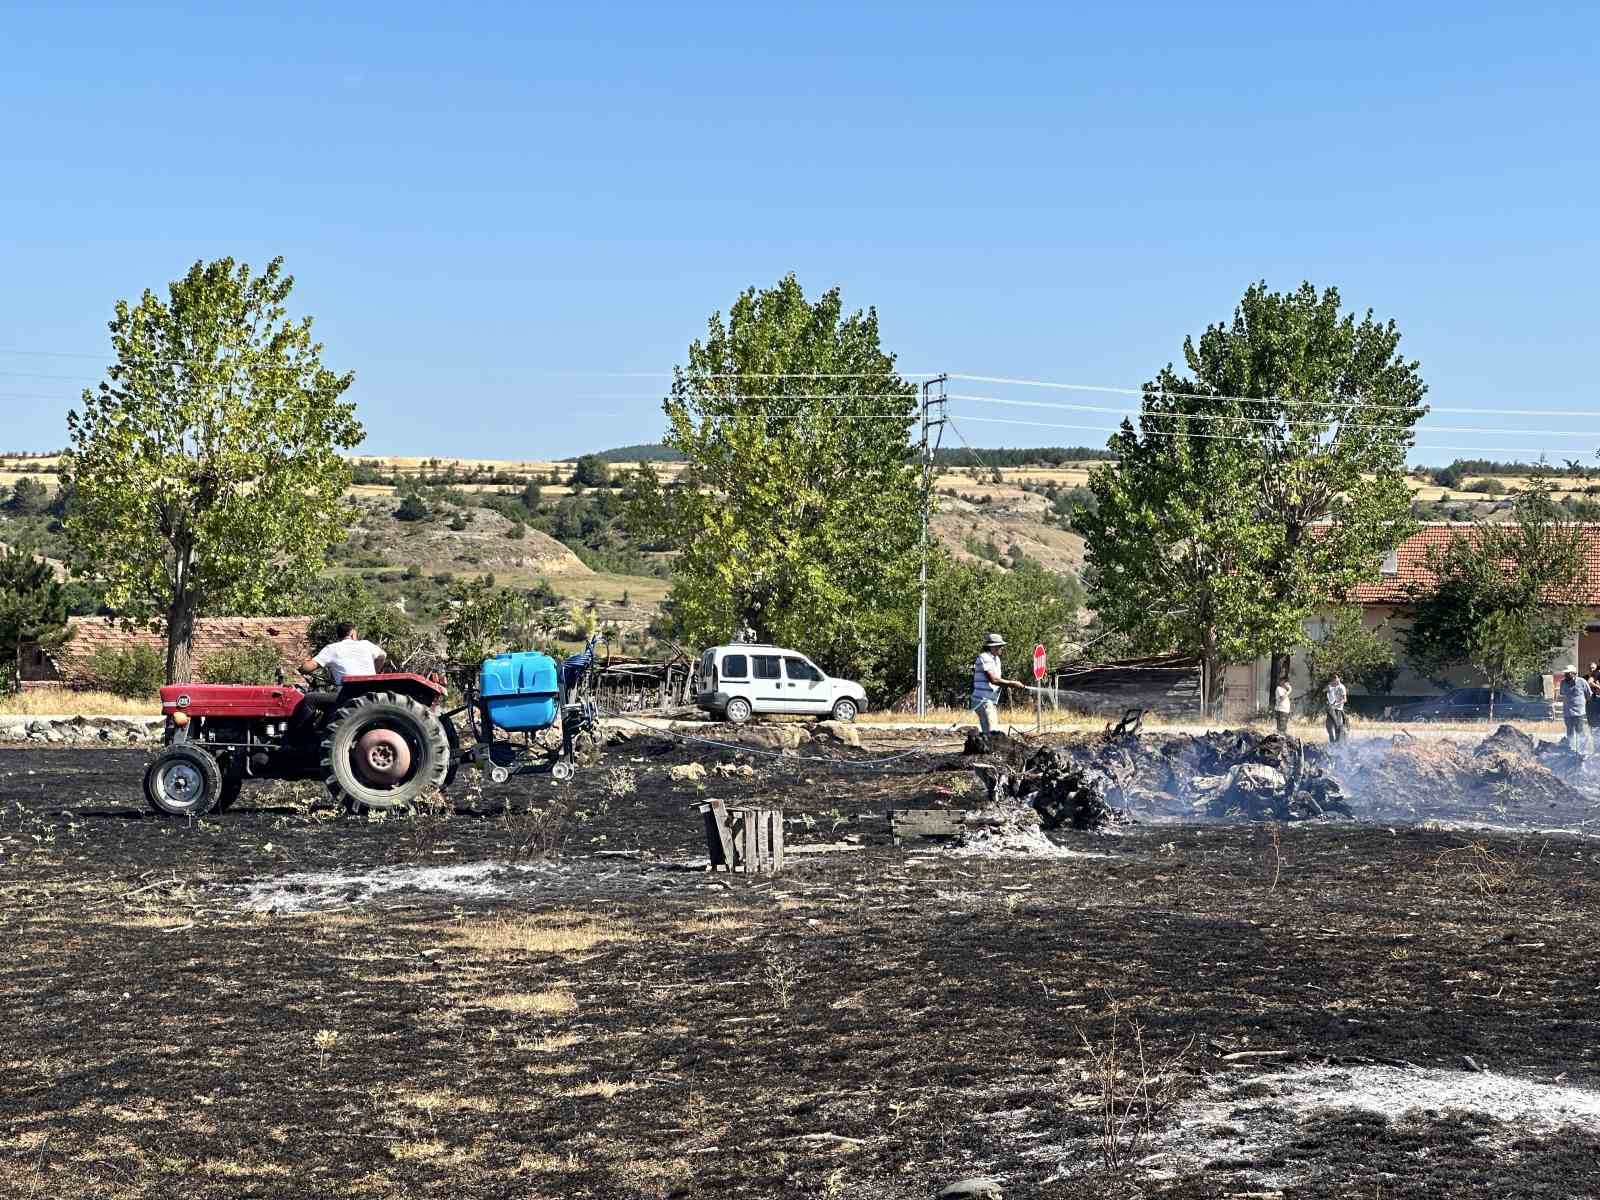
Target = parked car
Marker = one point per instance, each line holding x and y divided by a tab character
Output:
742	680
1472	704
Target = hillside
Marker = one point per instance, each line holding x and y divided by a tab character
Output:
525	524
486	543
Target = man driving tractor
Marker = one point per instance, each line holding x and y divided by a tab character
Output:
349	655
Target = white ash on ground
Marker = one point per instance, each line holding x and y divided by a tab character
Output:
321	891
1244	1128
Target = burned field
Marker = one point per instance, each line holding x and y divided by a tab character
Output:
545	999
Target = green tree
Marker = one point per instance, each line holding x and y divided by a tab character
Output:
1175	552
484	620
33	608
412	508
798	514
1284	445
1348	648
967	600
208	468
29	498
1506	598
591	471
331	602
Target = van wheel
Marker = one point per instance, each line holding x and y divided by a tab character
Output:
738	710
844	710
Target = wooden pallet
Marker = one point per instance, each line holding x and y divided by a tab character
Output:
749	840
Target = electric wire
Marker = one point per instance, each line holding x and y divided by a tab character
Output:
1219	437
1291	420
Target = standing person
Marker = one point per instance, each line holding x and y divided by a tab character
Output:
349	655
987	679
1575	693
1282	705
1593	680
1337	696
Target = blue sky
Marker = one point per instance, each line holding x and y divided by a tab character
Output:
499	214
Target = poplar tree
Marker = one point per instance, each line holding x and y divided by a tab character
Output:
208	467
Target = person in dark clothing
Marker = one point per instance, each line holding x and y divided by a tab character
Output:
1592	678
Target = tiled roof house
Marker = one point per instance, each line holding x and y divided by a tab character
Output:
68	665
1386	604
1405	568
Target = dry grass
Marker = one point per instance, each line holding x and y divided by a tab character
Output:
557	933
605	1089
551	1003
55	703
722	920
549	1044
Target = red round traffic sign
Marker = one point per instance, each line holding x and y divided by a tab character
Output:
1038	661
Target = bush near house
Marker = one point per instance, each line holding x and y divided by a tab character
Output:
132	672
256	662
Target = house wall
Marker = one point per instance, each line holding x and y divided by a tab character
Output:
70	664
1248	685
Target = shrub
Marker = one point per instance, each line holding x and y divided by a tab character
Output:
516	531
256	662
29	498
1487	486
591	471
412	508
135	673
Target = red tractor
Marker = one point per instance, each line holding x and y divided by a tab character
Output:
376	741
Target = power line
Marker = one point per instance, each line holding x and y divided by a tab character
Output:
1359	404
1127	391
956	429
887	376
1292	421
1219	437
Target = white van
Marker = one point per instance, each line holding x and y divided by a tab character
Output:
739	681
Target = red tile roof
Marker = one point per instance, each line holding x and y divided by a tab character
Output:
1412	571
69	663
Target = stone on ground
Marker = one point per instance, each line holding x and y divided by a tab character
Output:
840	731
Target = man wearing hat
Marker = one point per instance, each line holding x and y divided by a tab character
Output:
987	680
1575	692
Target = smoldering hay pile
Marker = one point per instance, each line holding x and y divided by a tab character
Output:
1507	780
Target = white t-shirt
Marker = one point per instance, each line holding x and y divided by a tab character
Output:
984	690
1336	695
349	657
1280	698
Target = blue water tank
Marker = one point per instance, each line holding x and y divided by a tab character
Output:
520	690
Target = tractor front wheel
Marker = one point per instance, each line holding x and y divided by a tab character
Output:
182	782
383	751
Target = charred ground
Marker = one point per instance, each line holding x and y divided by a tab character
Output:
596	1021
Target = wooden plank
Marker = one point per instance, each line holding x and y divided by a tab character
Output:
925	822
719	845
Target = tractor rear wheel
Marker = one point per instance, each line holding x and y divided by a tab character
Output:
182	782
383	751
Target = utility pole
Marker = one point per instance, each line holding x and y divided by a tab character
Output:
933	418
